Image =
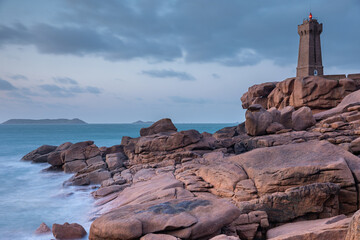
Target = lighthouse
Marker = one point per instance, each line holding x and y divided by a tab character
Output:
309	59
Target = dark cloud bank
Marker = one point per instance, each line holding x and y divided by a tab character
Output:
232	32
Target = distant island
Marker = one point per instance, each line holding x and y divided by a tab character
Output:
45	121
142	122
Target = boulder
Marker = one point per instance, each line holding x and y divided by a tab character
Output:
63	146
251	225
229	132
285	206
353	232
167	142
104	191
286	116
74	166
115	160
81	151
112	149
257	120
322	229
276	169
274	128
167	148
276	114
163	125
191	218
95	160
355	146
55	159
223	176
42	229
163	186
40	154
302	119
257	94
94	177
68	231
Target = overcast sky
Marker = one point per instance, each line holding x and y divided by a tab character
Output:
190	60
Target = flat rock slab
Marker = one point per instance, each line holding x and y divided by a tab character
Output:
190	218
159	188
334	228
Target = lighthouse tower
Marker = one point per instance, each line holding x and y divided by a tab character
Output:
309	59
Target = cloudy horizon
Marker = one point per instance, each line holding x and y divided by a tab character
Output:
191	61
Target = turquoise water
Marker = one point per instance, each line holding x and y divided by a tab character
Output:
30	196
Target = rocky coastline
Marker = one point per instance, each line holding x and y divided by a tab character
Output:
291	171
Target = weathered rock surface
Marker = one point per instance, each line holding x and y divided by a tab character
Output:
313	91
277	169
115	160
68	231
166	146
163	125
353	232
351	100
40	154
191	218
285	206
323	229
257	94
302	119
257	120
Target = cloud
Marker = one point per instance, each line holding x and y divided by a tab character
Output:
246	33
65	80
179	99
18	77
58	91
6	86
215	76
183	76
93	90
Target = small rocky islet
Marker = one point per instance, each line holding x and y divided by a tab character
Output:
290	171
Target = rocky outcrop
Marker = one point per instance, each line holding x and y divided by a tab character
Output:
260	121
163	125
315	92
191	185
166	146
68	231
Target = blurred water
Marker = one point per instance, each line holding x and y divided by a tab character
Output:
30	196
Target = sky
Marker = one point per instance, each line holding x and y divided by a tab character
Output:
188	60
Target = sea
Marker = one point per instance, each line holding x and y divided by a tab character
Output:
29	195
